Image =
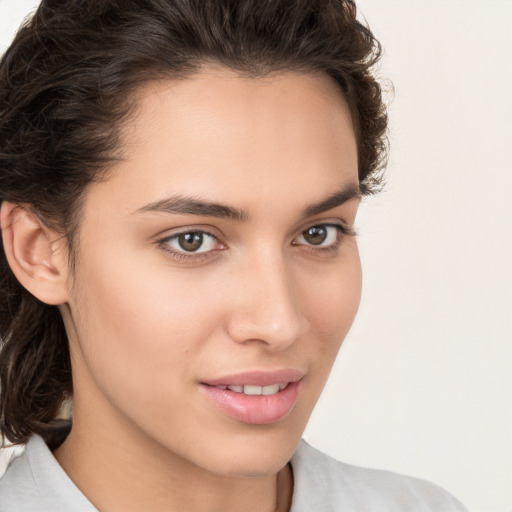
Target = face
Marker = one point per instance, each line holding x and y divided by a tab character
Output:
217	272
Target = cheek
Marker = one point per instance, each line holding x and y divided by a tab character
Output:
140	324
332	301
141	336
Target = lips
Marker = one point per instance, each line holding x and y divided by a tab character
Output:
256	398
257	378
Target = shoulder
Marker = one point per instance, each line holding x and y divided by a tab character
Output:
31	479
325	484
7	454
15	477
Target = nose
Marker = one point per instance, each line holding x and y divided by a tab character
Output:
266	305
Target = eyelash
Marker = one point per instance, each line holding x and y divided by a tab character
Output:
341	232
182	255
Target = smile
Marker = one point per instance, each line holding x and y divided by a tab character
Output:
252	389
269	398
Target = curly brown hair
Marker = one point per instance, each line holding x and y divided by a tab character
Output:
67	84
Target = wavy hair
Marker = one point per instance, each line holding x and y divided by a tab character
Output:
67	83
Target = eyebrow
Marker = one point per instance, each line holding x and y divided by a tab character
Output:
337	199
187	205
195	206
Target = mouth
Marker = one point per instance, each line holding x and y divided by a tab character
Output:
255	398
255	390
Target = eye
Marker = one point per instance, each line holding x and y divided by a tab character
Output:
191	242
321	235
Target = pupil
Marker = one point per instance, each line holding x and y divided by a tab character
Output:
190	241
315	235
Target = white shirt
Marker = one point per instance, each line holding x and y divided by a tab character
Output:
35	482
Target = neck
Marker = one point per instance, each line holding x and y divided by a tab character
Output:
125	472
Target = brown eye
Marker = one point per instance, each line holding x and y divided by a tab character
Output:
321	236
315	235
190	242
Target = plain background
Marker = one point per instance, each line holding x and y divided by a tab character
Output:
423	383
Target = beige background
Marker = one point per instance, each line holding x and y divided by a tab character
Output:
423	384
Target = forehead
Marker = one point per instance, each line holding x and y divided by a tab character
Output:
231	137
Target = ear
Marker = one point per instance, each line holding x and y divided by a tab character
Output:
37	255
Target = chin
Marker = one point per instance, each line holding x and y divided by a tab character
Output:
260	452
251	465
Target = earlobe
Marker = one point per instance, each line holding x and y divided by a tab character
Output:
36	254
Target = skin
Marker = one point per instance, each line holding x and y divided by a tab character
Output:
146	326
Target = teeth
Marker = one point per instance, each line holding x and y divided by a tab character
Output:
253	390
250	389
270	390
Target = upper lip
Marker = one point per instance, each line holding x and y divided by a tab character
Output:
257	378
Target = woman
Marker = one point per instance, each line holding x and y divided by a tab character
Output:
179	186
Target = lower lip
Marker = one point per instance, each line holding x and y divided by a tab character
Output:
254	409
